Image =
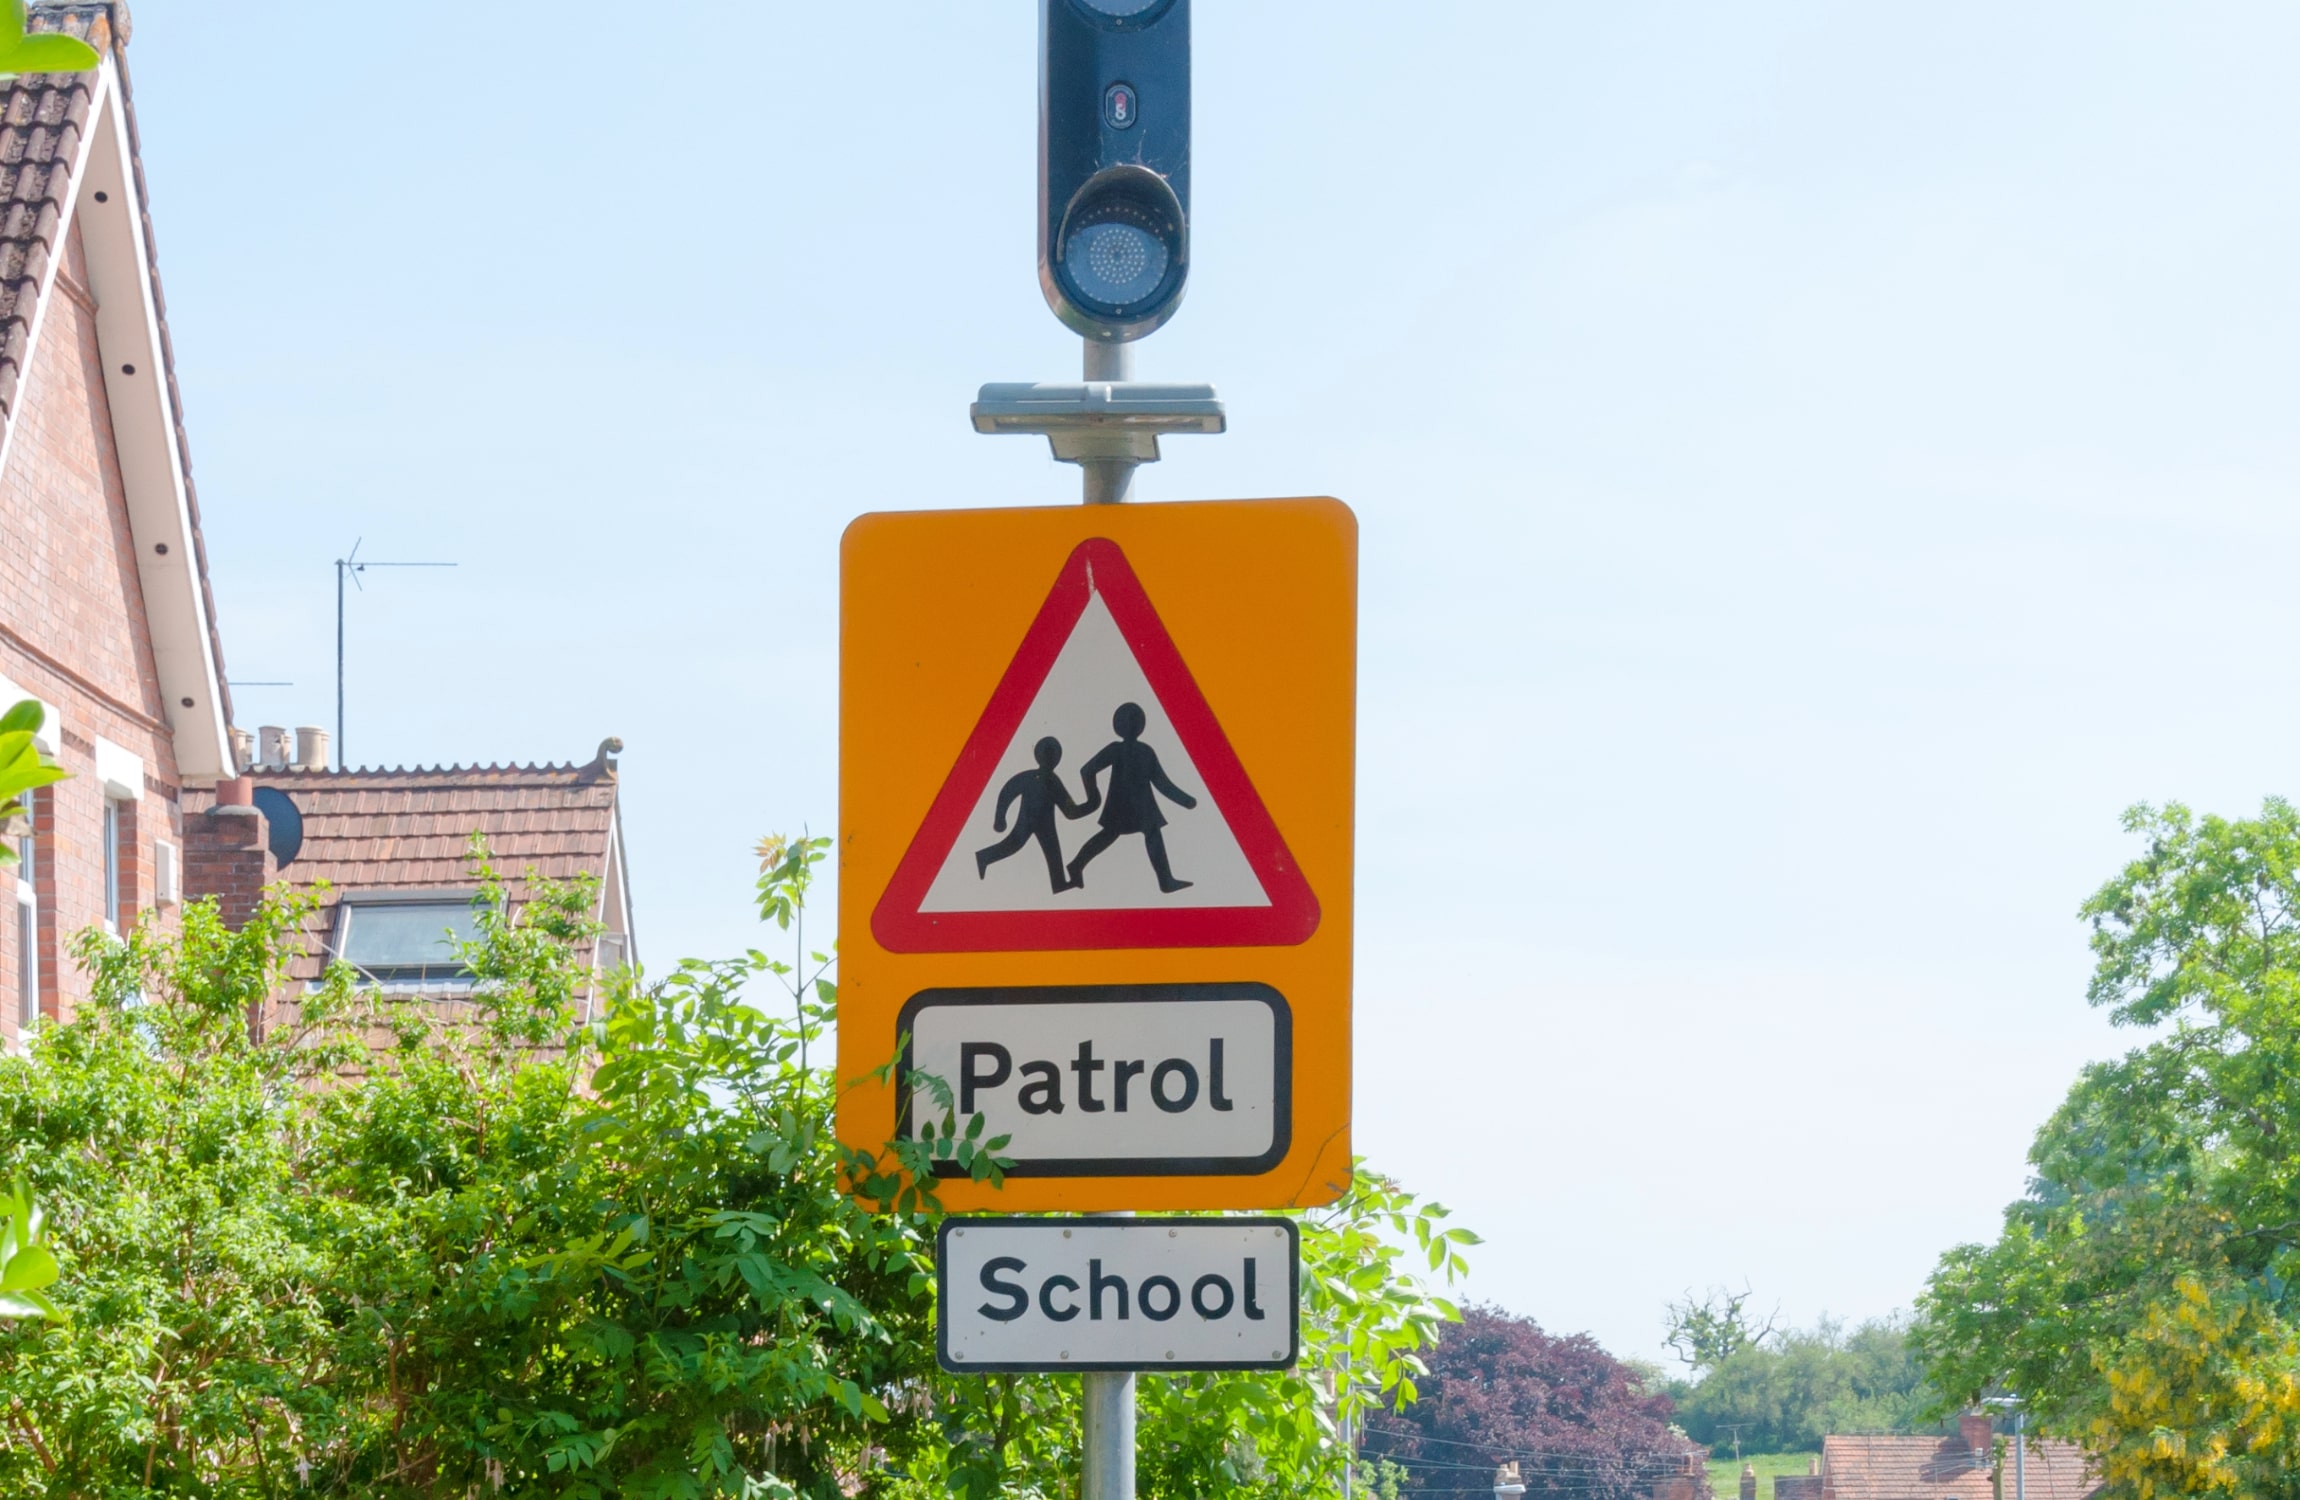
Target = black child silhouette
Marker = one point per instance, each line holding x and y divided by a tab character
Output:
1040	792
1136	780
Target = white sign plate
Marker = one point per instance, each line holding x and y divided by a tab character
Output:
1117	1294
1112	1079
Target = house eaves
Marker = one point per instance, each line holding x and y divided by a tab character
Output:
69	158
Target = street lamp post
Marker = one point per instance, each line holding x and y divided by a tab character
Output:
2019	1410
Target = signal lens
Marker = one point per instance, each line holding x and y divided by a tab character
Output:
1121	255
1117	264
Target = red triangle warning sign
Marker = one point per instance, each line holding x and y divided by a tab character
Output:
1097	803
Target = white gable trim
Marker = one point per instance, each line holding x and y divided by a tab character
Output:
143	430
615	888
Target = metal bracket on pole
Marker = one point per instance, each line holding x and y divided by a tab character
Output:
1108	425
1100	419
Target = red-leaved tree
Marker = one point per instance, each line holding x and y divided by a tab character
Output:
1576	1421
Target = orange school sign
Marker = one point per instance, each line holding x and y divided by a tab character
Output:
1096	796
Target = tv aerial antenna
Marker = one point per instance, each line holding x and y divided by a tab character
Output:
351	565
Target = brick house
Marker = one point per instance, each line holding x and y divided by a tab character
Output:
1972	1465
385	852
108	618
106	615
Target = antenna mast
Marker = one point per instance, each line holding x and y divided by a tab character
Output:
351	566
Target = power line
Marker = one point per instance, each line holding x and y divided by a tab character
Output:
1534	1454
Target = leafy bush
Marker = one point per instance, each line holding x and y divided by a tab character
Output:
1577	1421
405	1247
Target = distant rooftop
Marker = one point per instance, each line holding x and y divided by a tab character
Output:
1943	1468
401	829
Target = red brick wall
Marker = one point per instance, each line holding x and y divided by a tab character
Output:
73	631
227	855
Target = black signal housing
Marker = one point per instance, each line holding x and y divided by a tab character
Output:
1114	163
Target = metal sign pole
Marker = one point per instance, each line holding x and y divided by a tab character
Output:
1109	1435
1108	1398
1108	480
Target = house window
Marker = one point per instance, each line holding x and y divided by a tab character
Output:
27	927
403	937
111	866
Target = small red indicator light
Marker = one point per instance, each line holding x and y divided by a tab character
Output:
1119	107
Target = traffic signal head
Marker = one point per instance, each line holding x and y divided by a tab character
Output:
1114	162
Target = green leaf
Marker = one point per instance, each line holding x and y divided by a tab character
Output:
29	1269
30	1304
46	53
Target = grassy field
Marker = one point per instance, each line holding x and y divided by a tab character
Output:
1725	1474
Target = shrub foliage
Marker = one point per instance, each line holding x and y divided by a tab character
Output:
573	1235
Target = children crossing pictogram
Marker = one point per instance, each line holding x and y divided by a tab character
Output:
1096	667
1136	783
1039	792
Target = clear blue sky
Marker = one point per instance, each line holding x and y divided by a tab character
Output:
1817	465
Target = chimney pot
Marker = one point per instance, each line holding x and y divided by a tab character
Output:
243	750
310	748
275	747
239	791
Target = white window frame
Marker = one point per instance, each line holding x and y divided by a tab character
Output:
120	771
111	843
27	926
394	976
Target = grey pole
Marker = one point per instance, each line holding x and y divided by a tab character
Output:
1109	1435
2020	1458
1109	480
1109	1394
340	564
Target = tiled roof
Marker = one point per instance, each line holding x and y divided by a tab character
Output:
1942	1468
368	830
46	115
43	120
1902	1468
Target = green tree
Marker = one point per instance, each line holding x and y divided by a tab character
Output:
150	1128
1795	1388
407	1246
2142	1295
1708	1332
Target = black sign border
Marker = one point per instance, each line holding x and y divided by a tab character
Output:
1282	1096
1104	1221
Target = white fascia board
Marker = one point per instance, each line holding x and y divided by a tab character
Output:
615	889
144	434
